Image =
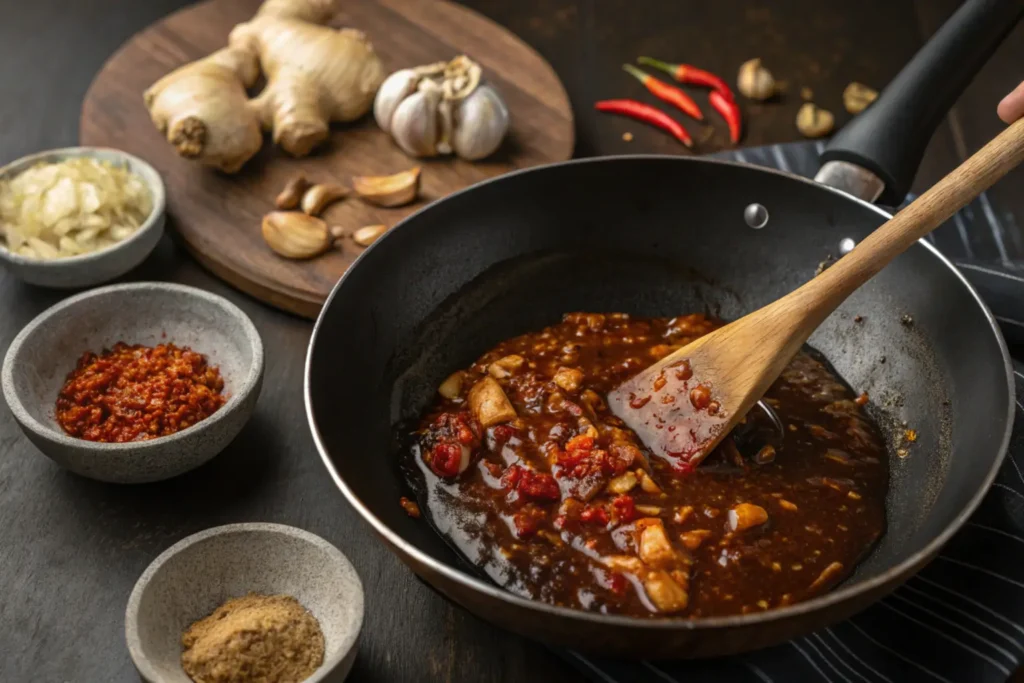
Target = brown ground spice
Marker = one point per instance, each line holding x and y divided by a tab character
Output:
254	639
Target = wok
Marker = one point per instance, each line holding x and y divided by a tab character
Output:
661	236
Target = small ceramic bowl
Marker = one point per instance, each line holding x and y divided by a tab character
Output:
106	264
41	356
195	576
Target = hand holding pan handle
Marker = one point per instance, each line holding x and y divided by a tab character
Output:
888	139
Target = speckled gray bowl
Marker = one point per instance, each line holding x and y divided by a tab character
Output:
41	356
194	576
99	266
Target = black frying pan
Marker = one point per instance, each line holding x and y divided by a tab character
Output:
661	236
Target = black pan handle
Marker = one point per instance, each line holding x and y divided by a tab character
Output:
889	138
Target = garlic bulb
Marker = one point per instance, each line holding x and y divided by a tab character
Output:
442	108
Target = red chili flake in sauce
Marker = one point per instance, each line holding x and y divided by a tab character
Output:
503	433
135	393
624	508
579	443
595	514
493	468
530	484
528	520
580	459
450	433
445	459
459	427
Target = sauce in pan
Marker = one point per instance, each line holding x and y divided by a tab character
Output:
532	478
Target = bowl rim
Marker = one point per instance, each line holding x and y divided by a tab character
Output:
250	380
348	642
148	175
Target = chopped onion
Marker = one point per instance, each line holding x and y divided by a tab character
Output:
71	207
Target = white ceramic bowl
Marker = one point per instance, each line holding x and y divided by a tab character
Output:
195	576
46	350
106	264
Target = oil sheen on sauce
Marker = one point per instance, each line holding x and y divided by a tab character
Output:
551	497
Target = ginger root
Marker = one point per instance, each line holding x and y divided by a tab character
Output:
315	75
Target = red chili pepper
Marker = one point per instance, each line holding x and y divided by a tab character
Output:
664	91
647	114
684	73
730	111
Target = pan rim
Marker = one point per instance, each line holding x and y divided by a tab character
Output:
909	566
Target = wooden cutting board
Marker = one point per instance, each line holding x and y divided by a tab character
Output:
218	216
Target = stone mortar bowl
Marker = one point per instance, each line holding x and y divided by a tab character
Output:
47	349
105	264
195	576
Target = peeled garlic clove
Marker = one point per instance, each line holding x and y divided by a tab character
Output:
481	122
388	190
857	97
393	90
755	81
295	235
813	121
318	197
364	237
292	193
414	124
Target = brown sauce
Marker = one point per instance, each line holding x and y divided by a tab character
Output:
527	473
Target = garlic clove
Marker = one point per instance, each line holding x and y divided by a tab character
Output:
755	81
364	237
481	122
392	92
813	121
857	97
414	124
319	197
295	235
390	190
446	119
292	193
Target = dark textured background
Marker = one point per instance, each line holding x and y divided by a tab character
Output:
71	549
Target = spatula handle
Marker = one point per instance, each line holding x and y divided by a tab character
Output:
975	175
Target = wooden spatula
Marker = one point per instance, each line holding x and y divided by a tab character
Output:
683	405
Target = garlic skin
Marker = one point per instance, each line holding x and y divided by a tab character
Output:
393	90
481	122
414	124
